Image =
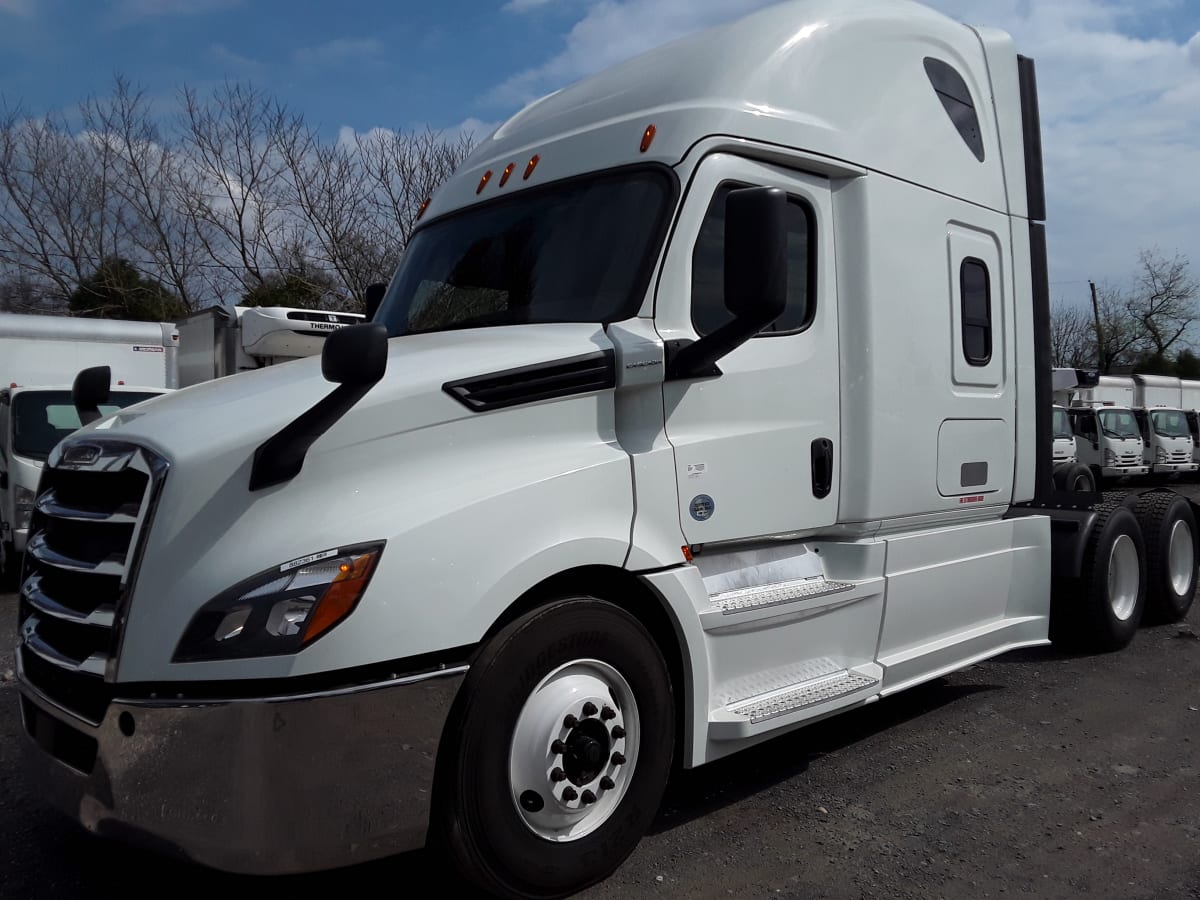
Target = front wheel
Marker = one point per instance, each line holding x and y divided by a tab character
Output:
558	751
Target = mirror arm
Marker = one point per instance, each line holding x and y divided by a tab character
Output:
280	457
697	359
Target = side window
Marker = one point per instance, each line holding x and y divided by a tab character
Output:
708	268
976	311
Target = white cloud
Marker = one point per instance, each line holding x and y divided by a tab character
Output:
226	56
23	8
340	50
1120	126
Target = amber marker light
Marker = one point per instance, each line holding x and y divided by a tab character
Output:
687	552
533	161
648	137
341	598
507	172
424	206
487	176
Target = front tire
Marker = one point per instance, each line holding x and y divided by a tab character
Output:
1169	527
1074	477
557	753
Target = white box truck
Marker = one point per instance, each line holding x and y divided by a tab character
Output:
712	397
1189	392
219	341
39	358
1109	440
1158	404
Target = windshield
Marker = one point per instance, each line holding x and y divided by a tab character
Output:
1062	426
43	418
1119	424
578	251
1170	423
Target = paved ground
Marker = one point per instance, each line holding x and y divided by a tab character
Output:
1036	774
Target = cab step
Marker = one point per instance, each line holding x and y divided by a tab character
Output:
793	703
799	597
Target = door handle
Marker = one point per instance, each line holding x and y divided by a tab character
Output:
822	467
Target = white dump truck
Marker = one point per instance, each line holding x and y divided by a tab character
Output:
219	340
712	397
39	359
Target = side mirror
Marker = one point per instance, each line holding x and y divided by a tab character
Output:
354	358
89	390
755	279
355	354
1095	445
375	294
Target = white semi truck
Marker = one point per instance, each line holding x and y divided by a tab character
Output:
608	483
219	340
39	358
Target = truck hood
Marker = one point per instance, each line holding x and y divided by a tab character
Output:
237	413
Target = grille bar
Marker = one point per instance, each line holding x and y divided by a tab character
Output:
88	530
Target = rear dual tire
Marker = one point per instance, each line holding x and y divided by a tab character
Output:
1169	528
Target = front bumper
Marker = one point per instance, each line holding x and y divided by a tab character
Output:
261	786
1176	467
1121	471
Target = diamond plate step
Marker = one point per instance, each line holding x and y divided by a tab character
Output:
754	715
731	602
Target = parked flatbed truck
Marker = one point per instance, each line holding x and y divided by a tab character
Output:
712	397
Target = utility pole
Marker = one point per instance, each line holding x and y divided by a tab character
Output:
1099	332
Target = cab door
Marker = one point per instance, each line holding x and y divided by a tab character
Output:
756	447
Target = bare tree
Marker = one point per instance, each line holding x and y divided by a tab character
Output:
154	182
404	170
239	141
1162	302
59	214
1072	337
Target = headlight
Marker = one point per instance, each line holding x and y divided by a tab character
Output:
1160	455
23	498
281	610
1110	458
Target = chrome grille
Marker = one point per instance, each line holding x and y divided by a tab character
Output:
90	517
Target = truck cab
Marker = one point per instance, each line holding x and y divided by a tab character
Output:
709	399
1065	449
1109	441
1167	435
32	422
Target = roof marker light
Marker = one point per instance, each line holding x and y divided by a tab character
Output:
487	176
507	172
648	137
533	161
424	206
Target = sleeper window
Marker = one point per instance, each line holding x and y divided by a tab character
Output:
708	268
976	312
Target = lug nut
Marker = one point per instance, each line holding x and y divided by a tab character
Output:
588	798
608	713
607	784
569	794
557	774
558	747
589	709
618	732
570	721
618	759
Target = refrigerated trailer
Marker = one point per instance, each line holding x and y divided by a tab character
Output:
711	397
39	357
219	340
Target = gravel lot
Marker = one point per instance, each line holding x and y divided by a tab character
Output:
1036	774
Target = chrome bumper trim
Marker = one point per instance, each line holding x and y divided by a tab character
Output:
272	785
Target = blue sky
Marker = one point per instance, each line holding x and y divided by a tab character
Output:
1120	81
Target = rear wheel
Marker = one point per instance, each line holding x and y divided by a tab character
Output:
1102	609
1074	477
564	732
1169	527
